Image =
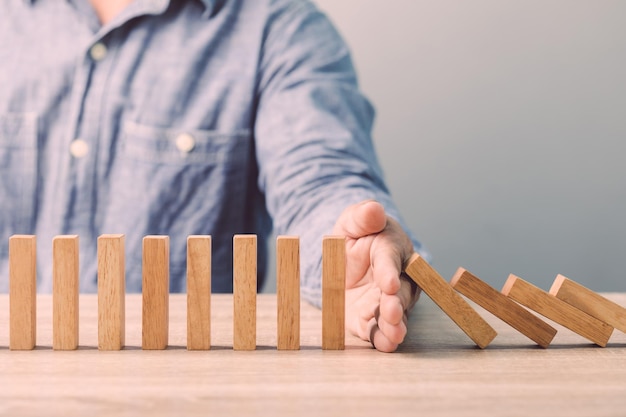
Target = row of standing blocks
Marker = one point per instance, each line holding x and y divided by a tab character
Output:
155	292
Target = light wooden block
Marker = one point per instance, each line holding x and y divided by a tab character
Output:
65	292
556	310
22	292
442	293
199	292
155	290
111	292
333	292
503	307
244	291
590	302
288	292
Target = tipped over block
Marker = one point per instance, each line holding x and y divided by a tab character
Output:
288	292
111	292
155	292
244	291
333	292
503	307
590	302
449	301
556	310
65	292
199	293
22	292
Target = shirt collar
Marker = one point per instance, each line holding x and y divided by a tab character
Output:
210	5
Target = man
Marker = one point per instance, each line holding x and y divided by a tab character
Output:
183	117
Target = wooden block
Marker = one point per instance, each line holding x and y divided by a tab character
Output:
65	292
333	292
288	292
244	292
556	310
503	307
22	292
111	292
199	292
155	290
449	301
590	302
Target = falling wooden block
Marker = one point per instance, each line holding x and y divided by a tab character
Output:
111	292
449	301
556	310
199	292
244	292
288	292
590	302
333	292
503	307
65	292
22	292
155	290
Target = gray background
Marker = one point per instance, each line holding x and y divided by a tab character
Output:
500	126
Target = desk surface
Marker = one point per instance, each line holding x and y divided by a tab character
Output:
437	371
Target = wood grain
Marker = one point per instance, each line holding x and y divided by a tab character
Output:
23	292
590	302
429	280
111	291
556	310
503	307
333	292
244	291
155	291
65	278
288	292
199	292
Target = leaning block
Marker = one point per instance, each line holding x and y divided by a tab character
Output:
111	292
503	307
288	292
155	290
556	310
333	292
199	293
244	291
22	292
65	292
449	301
590	302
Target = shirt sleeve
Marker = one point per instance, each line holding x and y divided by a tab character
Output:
312	134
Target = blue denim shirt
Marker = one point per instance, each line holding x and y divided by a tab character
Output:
178	118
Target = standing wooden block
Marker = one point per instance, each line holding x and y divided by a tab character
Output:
333	292
288	292
65	292
111	292
22	292
244	292
503	307
449	301
556	310
590	302
155	289
199	292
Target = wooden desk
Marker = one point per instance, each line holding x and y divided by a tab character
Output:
437	371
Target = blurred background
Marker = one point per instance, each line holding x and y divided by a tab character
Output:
501	128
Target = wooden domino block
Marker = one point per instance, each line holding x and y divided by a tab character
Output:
244	291
199	292
155	290
590	302
333	292
556	310
22	292
111	292
442	293
65	292
503	307
288	292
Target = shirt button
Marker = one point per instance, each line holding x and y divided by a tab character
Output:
79	148
98	51
185	142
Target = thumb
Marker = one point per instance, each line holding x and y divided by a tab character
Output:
361	219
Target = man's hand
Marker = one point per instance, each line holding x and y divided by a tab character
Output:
377	300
